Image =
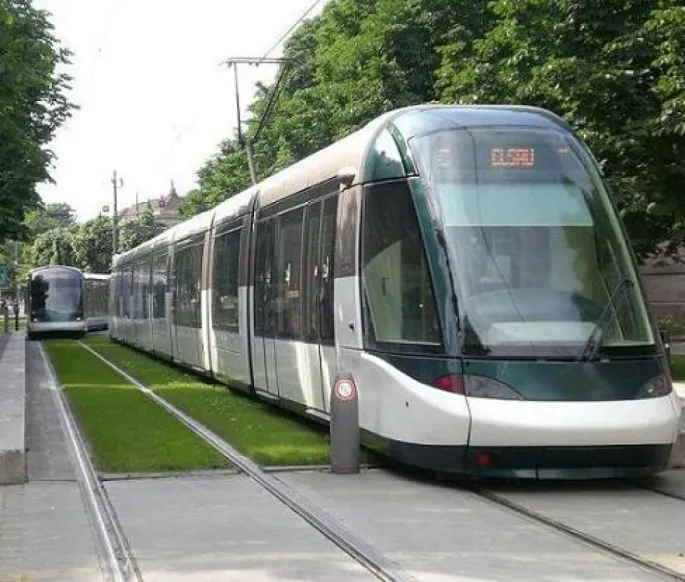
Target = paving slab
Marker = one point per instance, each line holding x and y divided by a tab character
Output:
45	534
669	482
48	457
223	528
12	409
643	522
438	532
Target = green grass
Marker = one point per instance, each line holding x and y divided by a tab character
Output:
256	429
125	430
678	368
674	325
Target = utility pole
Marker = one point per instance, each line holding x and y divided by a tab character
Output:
243	140
116	184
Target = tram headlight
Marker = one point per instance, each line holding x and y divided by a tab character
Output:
476	387
658	386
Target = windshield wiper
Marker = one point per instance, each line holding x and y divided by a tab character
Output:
617	298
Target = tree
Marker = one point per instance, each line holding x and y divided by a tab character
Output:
600	66
93	245
615	70
54	247
32	107
136	232
49	216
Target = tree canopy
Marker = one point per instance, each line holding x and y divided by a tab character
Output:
88	245
32	106
615	70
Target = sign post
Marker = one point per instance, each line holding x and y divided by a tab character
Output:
344	426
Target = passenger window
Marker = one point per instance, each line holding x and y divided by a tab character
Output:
330	212
225	283
264	278
399	306
159	286
311	273
127	290
188	271
289	284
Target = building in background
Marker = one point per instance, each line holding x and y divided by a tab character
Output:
165	209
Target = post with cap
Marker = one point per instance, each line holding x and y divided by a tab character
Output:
344	425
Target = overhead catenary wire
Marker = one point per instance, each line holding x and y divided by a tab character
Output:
285	35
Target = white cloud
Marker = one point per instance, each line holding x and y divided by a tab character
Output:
154	101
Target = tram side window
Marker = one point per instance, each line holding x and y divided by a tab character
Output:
136	291
188	267
225	283
328	224
126	291
310	303
159	286
146	279
289	284
263	278
399	307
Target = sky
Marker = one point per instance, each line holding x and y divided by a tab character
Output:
154	101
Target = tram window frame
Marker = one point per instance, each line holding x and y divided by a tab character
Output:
225	280
396	231
263	278
288	295
327	265
310	280
188	271
127	290
160	263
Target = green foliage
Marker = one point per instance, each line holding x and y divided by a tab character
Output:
615	70
88	246
600	66
49	216
93	244
32	107
136	232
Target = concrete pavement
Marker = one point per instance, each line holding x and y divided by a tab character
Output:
12	409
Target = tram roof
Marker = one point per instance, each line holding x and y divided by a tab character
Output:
360	157
53	267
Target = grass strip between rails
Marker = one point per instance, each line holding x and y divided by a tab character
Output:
256	429
126	431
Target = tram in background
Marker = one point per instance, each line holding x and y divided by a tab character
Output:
61	299
465	265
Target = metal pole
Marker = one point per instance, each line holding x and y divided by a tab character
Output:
237	102
241	140
250	161
116	184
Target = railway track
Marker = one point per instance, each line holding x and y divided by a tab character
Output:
116	559
603	546
373	561
360	551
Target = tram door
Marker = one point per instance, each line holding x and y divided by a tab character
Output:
263	342
319	237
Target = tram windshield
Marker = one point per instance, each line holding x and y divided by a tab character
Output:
536	247
56	295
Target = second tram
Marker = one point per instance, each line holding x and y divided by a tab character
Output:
61	299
